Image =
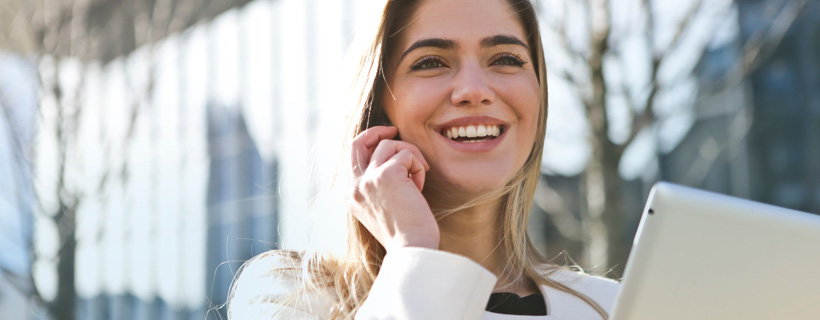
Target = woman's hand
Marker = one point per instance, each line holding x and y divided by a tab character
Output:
387	178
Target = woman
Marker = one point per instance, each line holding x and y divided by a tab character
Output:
445	157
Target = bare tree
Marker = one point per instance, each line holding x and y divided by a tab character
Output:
82	31
592	62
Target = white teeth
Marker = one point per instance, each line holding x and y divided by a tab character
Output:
481	131
473	131
470	132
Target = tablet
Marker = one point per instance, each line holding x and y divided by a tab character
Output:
700	255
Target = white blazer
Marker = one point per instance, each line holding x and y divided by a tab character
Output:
413	283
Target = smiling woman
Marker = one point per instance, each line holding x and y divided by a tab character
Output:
444	159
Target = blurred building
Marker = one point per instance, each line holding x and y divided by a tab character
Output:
194	151
242	204
758	138
784	142
17	104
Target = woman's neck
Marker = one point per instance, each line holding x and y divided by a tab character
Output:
475	233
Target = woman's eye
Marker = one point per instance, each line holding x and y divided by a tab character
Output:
509	59
427	63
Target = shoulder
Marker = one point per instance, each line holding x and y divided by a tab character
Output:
599	289
271	285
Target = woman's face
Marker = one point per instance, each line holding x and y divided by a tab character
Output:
463	67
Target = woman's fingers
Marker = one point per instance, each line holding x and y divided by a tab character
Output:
407	156
388	176
388	148
405	162
367	140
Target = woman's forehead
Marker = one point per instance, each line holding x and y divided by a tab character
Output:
465	21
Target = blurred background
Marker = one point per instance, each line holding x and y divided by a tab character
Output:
149	147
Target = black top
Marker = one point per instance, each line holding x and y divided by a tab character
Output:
511	303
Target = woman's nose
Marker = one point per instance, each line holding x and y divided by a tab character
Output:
470	87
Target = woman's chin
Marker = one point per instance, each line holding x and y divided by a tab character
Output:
470	182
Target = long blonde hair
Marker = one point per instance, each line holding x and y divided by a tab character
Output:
352	275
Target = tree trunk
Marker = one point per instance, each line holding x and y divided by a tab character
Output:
64	305
601	185
594	191
613	212
595	199
601	181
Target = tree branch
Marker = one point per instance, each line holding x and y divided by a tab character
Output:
683	26
563	37
599	45
647	116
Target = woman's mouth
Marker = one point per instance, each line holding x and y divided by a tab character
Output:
473	133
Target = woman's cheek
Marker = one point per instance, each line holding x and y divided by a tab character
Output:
523	95
524	98
411	108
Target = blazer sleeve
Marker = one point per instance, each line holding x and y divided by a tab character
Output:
264	289
418	283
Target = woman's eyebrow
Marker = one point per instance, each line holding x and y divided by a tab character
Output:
502	39
447	44
433	42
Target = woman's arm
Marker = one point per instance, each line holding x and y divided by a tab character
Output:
418	283
415	281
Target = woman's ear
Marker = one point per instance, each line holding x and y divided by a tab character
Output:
387	121
379	117
383	120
